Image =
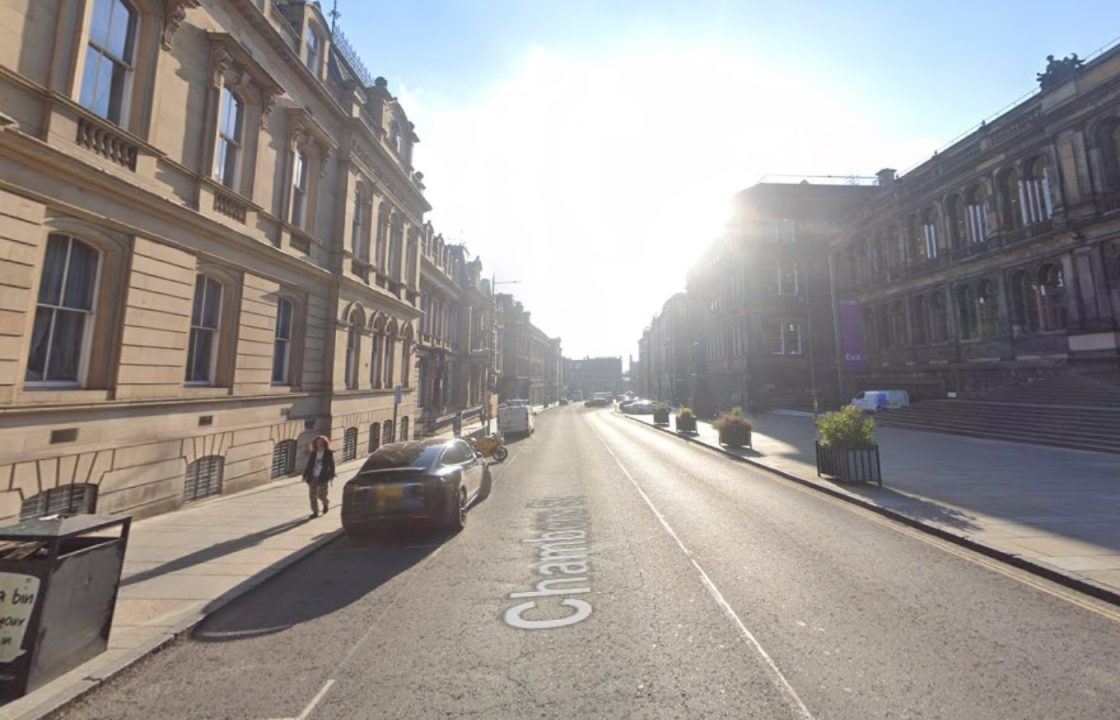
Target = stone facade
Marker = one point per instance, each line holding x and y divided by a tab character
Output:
459	346
664	353
209	251
532	362
591	375
997	260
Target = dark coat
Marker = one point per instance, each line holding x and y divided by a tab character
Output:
328	468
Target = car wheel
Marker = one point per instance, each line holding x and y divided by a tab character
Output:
501	453
457	512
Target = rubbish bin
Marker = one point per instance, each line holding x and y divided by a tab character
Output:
58	587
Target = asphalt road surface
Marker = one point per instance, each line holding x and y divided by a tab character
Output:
618	572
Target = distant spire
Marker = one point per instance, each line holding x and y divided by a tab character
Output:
335	15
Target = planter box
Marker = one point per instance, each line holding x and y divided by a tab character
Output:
848	465
661	418
686	424
735	436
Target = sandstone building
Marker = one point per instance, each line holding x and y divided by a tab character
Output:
532	361
210	250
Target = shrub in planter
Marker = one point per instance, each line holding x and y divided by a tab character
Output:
734	429
686	420
660	414
846	449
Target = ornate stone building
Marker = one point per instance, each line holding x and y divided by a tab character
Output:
209	250
595	374
664	353
532	364
998	259
459	340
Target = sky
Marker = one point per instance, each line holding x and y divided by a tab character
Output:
587	151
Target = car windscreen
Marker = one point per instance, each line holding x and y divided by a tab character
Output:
403	455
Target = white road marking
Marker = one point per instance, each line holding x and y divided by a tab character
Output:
311	705
783	684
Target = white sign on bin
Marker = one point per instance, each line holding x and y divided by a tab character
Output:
17	600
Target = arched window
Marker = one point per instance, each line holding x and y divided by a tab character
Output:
967	321
1037	201
879	255
350	444
64	312
382	236
110	54
921	320
1051	291
206	315
938	318
65	499
203	478
227	151
1010	194
353	346
375	376
977	212
390	352
283	458
387	432
987	309
406	357
929	233
957	221
404	429
914	238
374	436
1024	306
900	330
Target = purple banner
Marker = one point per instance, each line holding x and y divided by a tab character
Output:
851	334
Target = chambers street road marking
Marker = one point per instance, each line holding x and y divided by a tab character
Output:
780	679
563	558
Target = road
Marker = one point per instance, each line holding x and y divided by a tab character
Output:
696	586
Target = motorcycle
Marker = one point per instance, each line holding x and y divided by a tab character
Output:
491	446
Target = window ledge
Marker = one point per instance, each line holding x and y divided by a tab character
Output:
39	394
206	390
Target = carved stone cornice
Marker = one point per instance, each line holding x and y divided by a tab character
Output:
174	12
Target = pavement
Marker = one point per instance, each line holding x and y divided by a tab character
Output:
181	566
1053	508
616	571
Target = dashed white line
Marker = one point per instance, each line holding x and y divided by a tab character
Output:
783	683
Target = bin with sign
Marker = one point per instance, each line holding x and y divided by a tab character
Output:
58	587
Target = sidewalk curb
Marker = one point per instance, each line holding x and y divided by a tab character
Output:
1082	585
63	696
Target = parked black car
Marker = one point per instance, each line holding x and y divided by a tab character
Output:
433	480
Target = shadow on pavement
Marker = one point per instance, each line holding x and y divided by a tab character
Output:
321	584
215	551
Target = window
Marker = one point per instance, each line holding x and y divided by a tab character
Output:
783	338
1051	292
396	237
785	279
938	318
375	360
64	312
387	432
204	478
1011	189
314	51
958	225
353	341
404	428
299	188
987	310
350	444
456	453
283	458
374	436
1036	200
65	500
886	327
977	211
202	349
781	230
1024	308
390	347
227	155
356	227
928	244
282	344
966	312
921	320
900	329
406	357
107	76
395	136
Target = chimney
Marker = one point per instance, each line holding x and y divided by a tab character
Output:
886	177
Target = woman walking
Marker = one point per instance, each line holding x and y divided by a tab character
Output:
319	473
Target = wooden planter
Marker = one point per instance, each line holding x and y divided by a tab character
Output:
686	424
735	436
849	465
661	417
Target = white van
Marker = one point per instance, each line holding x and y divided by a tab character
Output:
515	420
876	400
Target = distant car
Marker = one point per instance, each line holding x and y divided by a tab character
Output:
563	401
876	400
639	407
598	401
626	402
434	480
